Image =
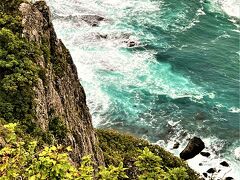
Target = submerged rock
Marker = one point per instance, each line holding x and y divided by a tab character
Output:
101	36
206	154
131	43
194	147
200	116
176	145
224	163
92	20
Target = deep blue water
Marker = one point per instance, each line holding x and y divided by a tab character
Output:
182	77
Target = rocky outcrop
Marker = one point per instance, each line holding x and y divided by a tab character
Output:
58	93
194	147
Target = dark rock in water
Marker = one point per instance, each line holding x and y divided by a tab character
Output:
176	145
194	147
200	116
131	43
101	36
92	20
200	164
206	154
205	175
211	170
229	178
224	163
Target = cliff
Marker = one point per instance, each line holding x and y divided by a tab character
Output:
58	101
59	94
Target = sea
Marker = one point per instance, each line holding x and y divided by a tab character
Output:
162	70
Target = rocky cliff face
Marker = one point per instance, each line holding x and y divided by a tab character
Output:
58	93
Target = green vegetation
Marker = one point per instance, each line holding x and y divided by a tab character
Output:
18	74
58	128
10	6
119	148
21	159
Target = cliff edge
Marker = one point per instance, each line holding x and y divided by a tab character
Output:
56	101
59	95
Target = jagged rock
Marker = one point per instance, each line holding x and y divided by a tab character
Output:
60	92
211	170
176	145
193	148
224	163
206	154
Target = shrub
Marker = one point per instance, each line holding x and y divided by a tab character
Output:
140	157
20	159
18	73
58	128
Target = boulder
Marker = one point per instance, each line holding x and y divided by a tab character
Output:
205	175
92	20
206	154
211	170
193	148
224	163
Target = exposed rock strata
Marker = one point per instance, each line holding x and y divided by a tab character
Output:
59	93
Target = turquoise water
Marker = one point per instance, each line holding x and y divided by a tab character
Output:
186	63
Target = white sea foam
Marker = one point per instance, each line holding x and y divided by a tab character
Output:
234	110
237	153
230	7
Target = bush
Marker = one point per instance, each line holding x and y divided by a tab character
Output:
140	157
58	128
20	159
150	167
18	73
